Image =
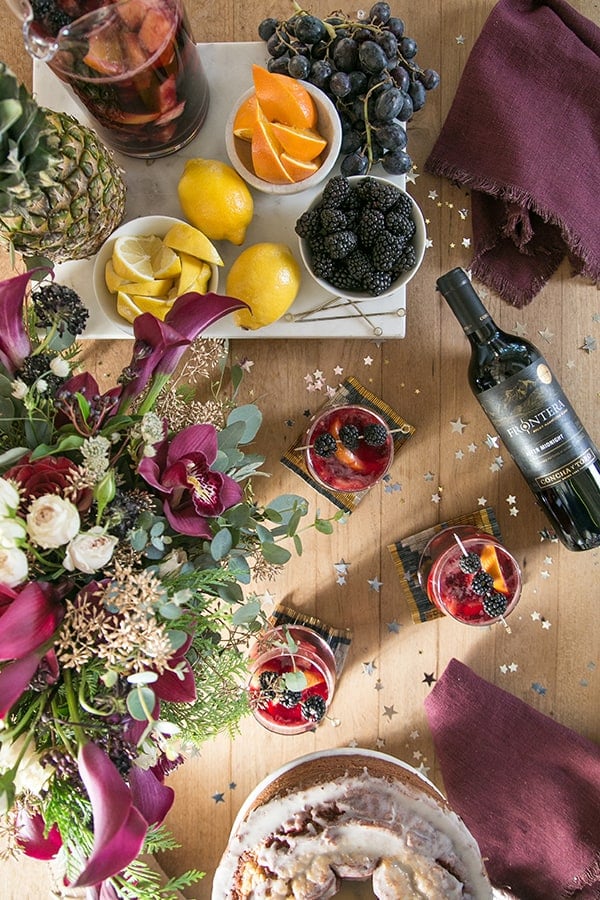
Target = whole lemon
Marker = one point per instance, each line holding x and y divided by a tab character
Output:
215	199
266	276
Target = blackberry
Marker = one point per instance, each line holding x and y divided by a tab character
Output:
339	244
343	280
370	224
399	223
494	604
358	265
325	445
375	435
50	15
309	224
349	436
408	259
268	680
384	196
470	563
332	220
289	699
313	708
377	283
364	190
387	251
482	583
336	191
323	266
59	306
404	204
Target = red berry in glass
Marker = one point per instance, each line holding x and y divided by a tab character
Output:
348	448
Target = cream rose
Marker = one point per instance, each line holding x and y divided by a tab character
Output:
9	498
52	521
13	566
90	551
12	532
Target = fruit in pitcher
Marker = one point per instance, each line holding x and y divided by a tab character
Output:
65	192
215	199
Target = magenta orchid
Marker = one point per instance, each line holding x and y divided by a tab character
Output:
15	345
192	491
34	838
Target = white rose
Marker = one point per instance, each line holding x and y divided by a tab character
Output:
31	776
12	533
9	498
60	366
90	551
19	389
13	566
52	521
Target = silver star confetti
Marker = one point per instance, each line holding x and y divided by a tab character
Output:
458	425
369	667
393	627
589	344
375	584
491	441
547	335
389	712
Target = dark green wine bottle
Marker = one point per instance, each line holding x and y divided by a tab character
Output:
528	408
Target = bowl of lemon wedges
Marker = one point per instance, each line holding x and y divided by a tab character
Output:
149	262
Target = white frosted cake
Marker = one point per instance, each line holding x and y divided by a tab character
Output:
331	819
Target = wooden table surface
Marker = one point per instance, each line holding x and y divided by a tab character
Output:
550	659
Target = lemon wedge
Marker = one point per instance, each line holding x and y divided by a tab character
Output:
185	238
126	308
166	263
158	287
132	256
113	281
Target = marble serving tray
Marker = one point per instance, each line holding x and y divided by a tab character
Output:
152	189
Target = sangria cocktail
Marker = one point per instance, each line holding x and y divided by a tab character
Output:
132	63
348	448
292	679
470	575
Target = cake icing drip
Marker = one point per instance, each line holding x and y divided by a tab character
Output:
303	844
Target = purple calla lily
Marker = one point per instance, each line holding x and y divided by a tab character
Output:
32	837
28	618
174	687
119	827
160	345
151	797
15	678
192	491
14	340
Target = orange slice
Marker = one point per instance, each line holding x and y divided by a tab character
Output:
297	169
301	143
284	99
489	561
246	118
265	156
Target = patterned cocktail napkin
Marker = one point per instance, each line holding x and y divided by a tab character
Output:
339	639
407	552
351	391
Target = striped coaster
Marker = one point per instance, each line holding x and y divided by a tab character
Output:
407	552
351	391
339	639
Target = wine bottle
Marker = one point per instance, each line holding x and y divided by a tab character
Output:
528	408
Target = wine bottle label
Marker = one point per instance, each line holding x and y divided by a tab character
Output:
538	426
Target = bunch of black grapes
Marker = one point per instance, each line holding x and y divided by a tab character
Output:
367	68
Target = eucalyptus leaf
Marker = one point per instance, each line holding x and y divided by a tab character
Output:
177	638
251	418
230	436
275	554
247	613
221	544
238	516
230	593
10	457
138	539
140	703
323	526
297	544
142	678
295	680
6	386
170	611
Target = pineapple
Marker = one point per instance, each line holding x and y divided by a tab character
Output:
61	191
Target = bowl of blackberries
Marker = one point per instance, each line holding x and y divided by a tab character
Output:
362	237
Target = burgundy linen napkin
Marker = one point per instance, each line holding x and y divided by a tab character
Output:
526	787
523	133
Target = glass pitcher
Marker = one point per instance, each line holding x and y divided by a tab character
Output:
133	64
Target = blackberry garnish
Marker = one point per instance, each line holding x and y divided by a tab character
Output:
470	563
323	266
387	250
267	680
289	699
371	224
349	436
377	282
482	583
313	708
59	306
384	196
332	220
494	604
358	265
309	224
336	191
325	445
399	223
375	435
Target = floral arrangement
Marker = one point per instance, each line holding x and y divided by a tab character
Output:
127	537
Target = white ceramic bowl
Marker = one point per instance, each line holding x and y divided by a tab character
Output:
328	126
144	225
418	242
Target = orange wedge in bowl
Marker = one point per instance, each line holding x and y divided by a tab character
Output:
297	169
301	143
246	118
266	156
284	99
491	565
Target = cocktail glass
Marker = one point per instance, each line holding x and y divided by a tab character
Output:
134	66
348	448
470	575
292	679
